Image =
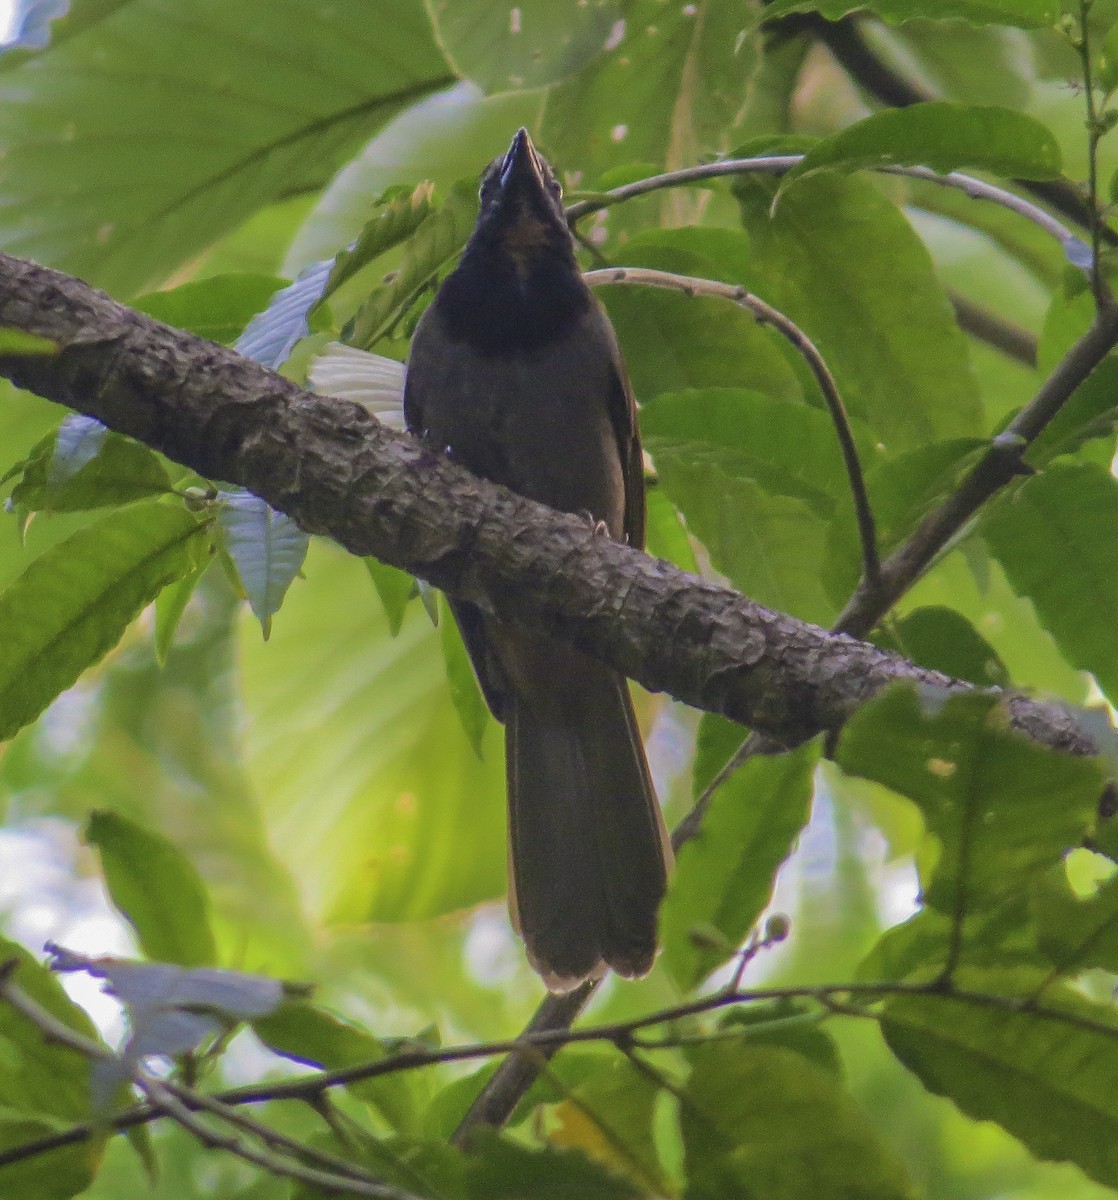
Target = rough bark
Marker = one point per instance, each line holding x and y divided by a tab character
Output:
338	472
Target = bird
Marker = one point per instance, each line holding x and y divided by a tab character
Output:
515	372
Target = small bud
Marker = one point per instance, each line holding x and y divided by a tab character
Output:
777	928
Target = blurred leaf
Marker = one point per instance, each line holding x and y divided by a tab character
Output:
665	534
44	1087
20	342
300	1031
501	1169
839	259
465	691
445	138
791	1024
394	587
1000	807
436	241
1042	1065
170	605
625	105
1076	933
266	547
609	1116
86	467
1057	538
156	887
939	134
538	42
944	640
1028	14
230	120
217	308
75	600
724	875
793	1132
406	822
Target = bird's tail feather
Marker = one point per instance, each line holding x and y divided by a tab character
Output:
588	848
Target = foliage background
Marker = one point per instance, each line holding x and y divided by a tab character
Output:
339	802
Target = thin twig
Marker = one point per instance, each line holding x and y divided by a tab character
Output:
833	997
1095	131
766	314
1002	335
168	1104
781	164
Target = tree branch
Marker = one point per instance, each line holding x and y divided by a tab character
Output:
337	471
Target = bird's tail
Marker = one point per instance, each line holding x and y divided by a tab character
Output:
589	853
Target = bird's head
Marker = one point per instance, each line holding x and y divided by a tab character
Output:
522	205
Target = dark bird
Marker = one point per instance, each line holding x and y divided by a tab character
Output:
515	372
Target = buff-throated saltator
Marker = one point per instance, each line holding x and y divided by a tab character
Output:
515	371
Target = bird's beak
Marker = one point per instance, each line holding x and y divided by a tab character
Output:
520	170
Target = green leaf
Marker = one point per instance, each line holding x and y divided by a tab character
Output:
724	875
1057	539
396	216
20	342
307	1034
793	1132
673	342
170	605
665	534
394	587
768	545
1027	14
538	42
465	691
437	240
941	135
1092	412
1000	807
44	1088
1040	1061
944	640
625	106
230	121
217	308
267	549
839	259
792	446
85	466
75	600
501	1169
1076	933
156	887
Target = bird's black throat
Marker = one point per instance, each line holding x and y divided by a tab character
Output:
500	303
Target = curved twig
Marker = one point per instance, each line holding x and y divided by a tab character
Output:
768	315
1077	251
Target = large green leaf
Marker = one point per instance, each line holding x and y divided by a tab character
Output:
1029	14
845	265
1000	807
724	875
1041	1063
1057	539
217	308
405	821
73	603
43	1087
537	42
764	1121
141	136
942	135
156	887
672	86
